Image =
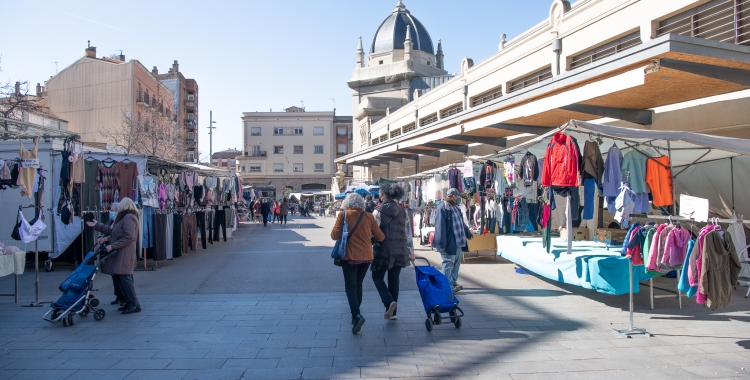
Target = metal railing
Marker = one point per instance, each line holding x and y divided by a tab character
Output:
190	123
191	143
143	98
594	56
726	21
256	153
486	97
428	120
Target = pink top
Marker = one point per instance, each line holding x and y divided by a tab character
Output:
675	248
653	251
162	196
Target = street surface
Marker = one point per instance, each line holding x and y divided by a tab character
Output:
269	304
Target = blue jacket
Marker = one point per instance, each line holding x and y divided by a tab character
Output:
445	240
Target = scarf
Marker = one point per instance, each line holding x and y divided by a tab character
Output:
457	222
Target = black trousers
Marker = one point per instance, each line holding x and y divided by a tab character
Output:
265	218
354	275
177	236
116	284
276	217
282	218
388	293
220	221
127	287
200	217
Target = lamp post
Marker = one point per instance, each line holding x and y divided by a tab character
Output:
211	138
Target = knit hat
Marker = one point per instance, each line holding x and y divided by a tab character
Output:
452	192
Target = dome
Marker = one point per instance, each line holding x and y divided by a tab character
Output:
392	33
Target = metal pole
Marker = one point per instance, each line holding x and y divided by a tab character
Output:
210	139
731	171
632	330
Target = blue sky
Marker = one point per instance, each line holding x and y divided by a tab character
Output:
247	55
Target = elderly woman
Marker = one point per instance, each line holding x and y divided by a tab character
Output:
361	226
103	239
283	211
122	238
395	251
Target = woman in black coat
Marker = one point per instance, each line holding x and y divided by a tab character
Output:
395	251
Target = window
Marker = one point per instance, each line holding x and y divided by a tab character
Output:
191	116
343	168
298	131
450	111
191	97
278	149
531	79
298	149
341	149
278	167
318	167
428	120
191	135
718	20
380	62
256	150
318	131
603	51
298	168
318	149
254	168
487	96
278	131
255	131
342	131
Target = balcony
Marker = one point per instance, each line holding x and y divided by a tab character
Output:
143	99
191	124
191	143
256	154
190	105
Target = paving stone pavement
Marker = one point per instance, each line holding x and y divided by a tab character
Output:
269	305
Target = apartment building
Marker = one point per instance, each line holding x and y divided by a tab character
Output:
95	94
292	150
185	107
225	159
654	64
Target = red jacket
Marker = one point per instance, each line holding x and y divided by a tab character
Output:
561	162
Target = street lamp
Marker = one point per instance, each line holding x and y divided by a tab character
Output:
211	138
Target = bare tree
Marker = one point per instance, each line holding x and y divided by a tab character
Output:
129	136
15	101
160	135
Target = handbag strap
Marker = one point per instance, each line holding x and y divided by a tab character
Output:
355	225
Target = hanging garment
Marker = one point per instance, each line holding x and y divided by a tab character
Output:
106	183
719	272
634	248
125	176
529	169
29	232
625	203
147	227
612	172
683	284
177	235
510	171
189	236
593	164
26	175
634	162
659	180
561	162
77	169
168	236
160	230
90	198
148	190
675	249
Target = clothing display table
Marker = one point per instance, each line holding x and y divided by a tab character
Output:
590	265
10	264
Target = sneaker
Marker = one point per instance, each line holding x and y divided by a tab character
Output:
391	310
394	317
457	288
360	320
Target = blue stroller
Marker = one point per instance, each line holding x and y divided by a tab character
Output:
77	297
437	296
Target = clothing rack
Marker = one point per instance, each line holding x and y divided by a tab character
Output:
632	330
37	302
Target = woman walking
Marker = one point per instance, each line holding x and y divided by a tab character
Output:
283	211
395	251
361	226
122	238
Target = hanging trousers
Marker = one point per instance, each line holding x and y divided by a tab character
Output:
148	227
168	236
177	236
189	237
200	217
220	220
160	243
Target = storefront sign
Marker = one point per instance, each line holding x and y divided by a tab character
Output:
30	163
694	208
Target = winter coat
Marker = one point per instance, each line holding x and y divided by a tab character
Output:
122	237
720	270
445	240
561	162
284	208
393	251
358	244
265	208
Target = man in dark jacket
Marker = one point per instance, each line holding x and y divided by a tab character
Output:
265	210
451	235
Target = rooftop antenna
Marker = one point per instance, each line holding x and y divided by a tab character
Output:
56	71
334	102
89	42
302	102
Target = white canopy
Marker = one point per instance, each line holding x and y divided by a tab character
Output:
712	167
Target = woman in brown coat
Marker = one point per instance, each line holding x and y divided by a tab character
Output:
358	251
122	238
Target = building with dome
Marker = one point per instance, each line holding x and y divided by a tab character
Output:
401	61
